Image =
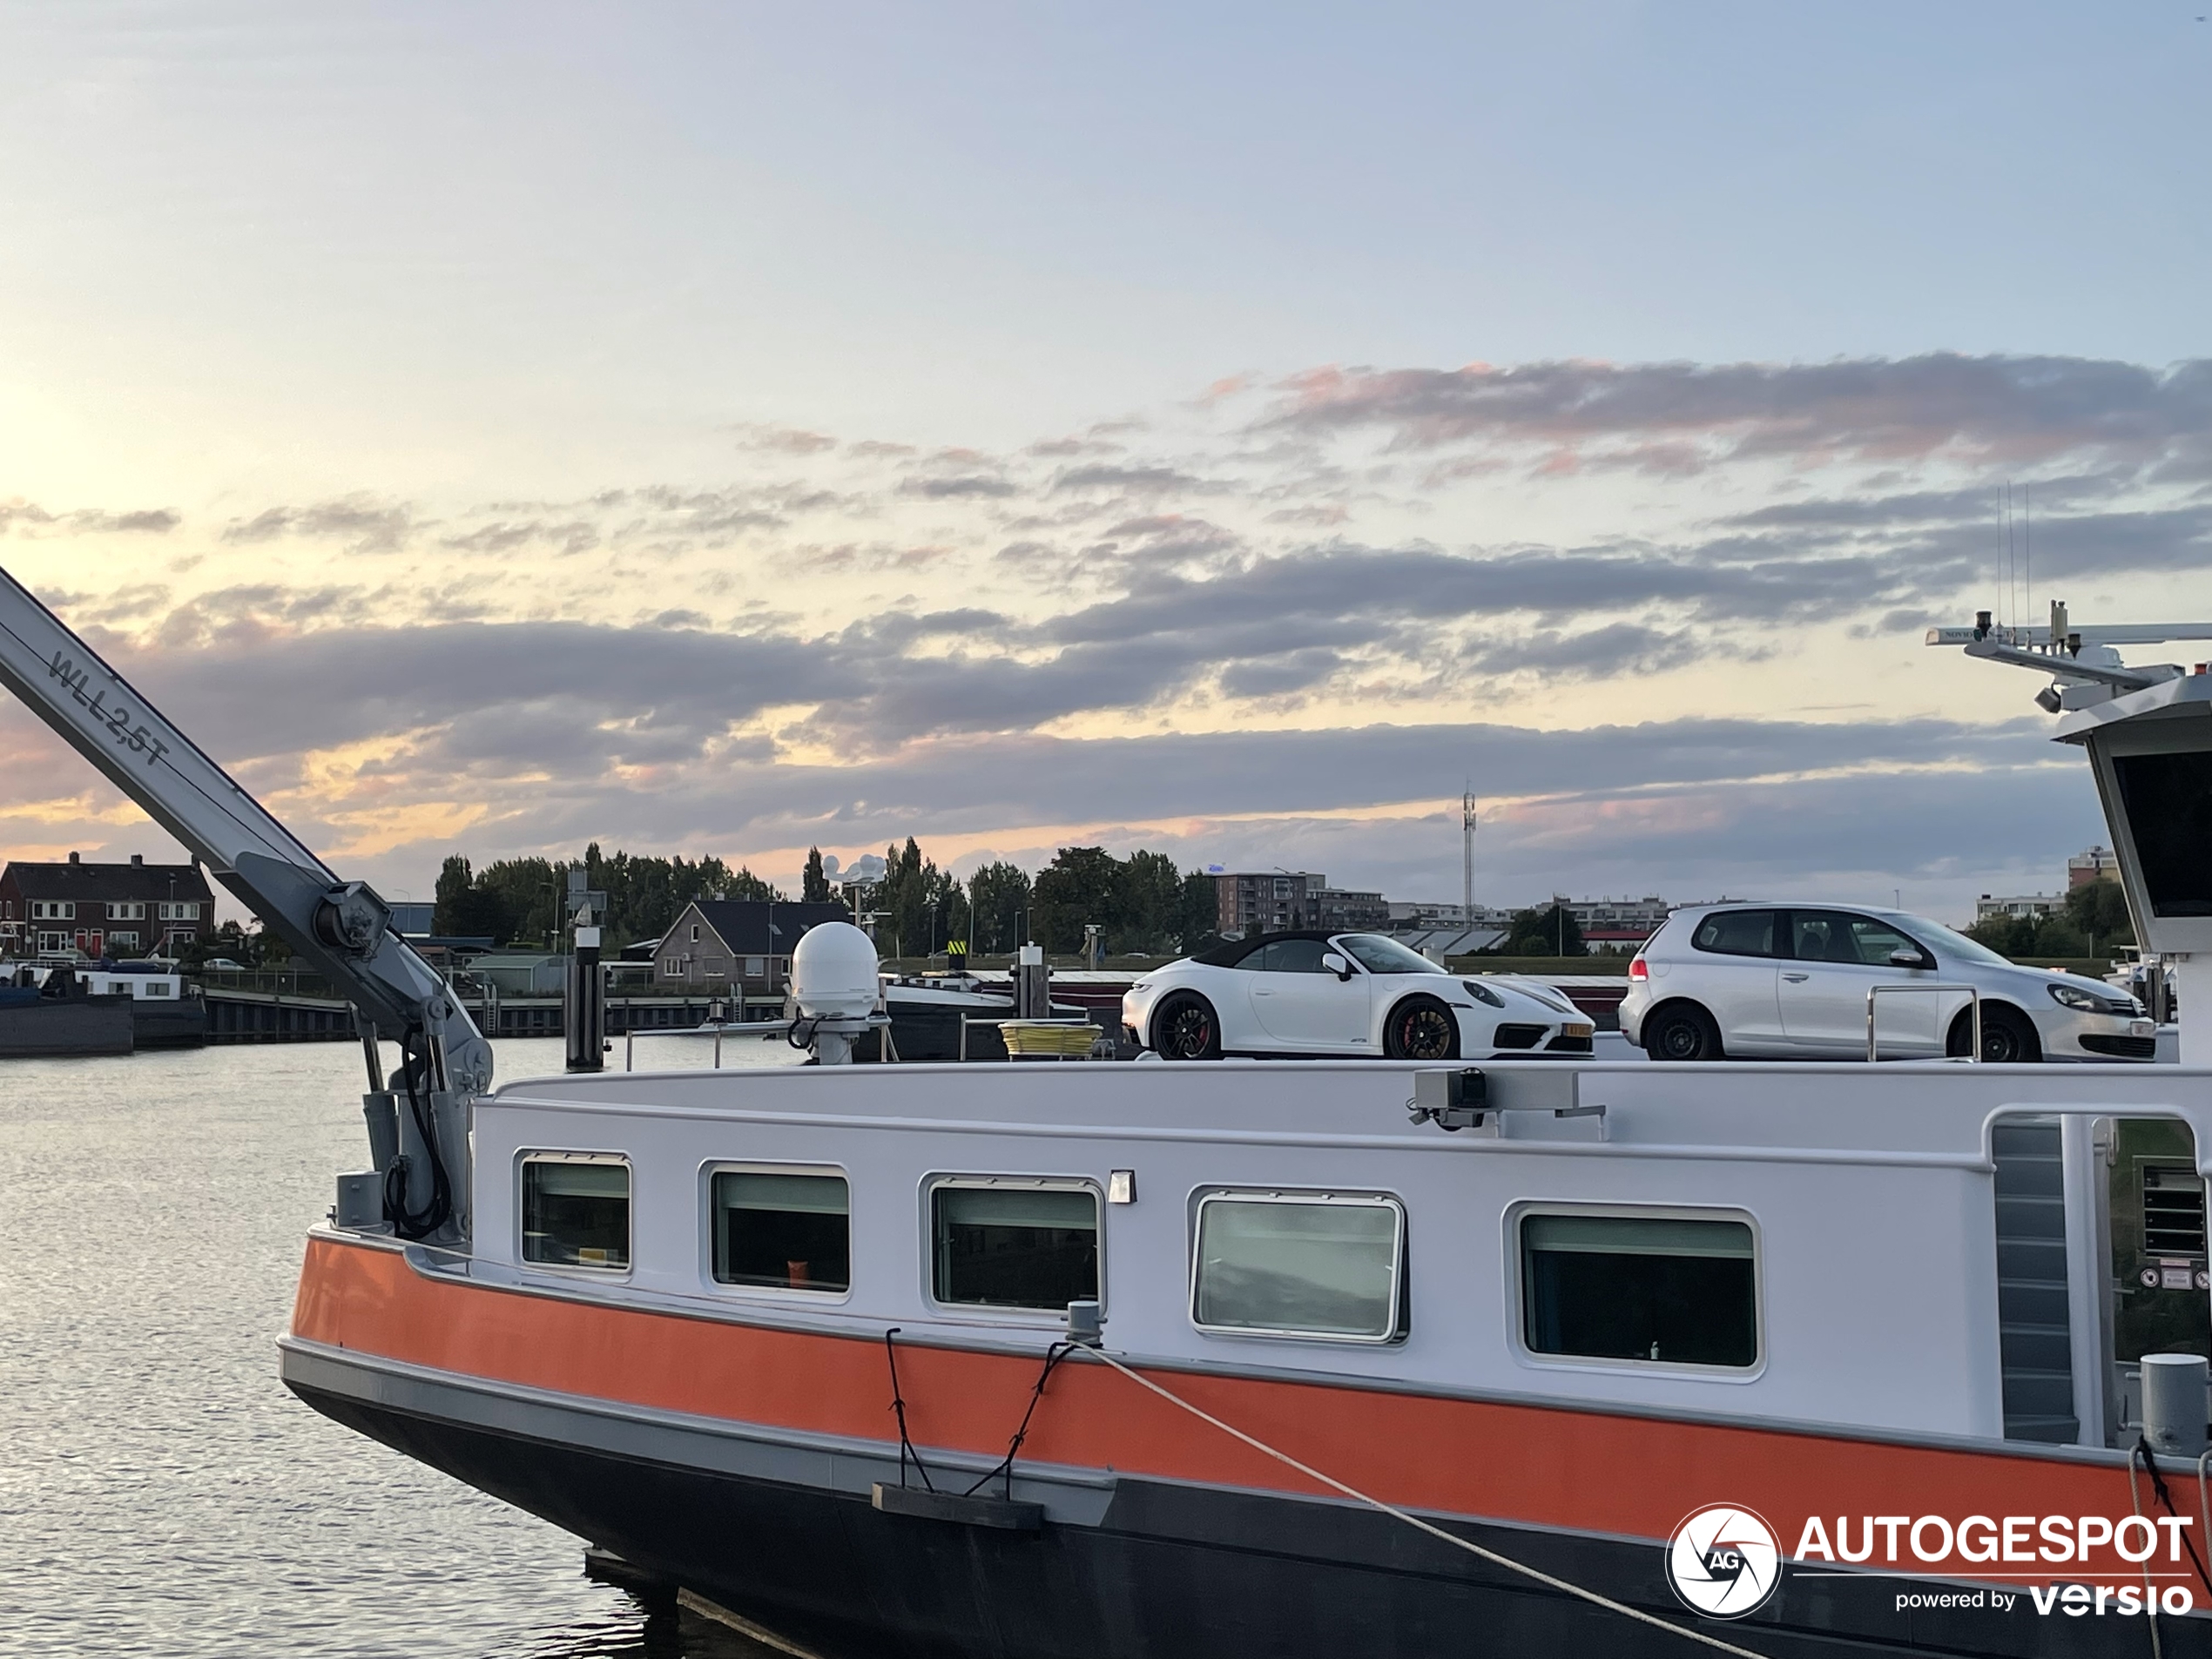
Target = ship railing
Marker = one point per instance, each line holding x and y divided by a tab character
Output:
1872	991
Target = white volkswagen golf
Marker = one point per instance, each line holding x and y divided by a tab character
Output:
1342	994
1792	981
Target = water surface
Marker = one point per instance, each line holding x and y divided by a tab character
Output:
161	1490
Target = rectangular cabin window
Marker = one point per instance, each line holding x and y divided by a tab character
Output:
1316	1265
788	1231
576	1212
1018	1245
1655	1288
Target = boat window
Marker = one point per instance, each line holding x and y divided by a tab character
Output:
1736	933
1299	1265
2168	798
1660	1289
576	1211
1022	1244
785	1230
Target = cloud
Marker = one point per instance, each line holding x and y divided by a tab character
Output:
972	485
365	525
86	521
1680	417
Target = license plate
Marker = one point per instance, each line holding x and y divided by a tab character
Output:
1571	1029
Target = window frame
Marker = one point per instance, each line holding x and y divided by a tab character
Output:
1517	1291
995	1312
528	1155
1401	1322
713	1167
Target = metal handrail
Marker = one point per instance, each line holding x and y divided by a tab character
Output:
745	1028
1873	991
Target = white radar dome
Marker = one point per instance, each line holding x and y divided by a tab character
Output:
833	972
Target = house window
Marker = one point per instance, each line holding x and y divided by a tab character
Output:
1010	1242
123	912
755	967
52	910
1660	1289
178	911
576	1211
1299	1265
124	941
695	933
785	1230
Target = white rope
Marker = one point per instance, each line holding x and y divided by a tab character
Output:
1416	1522
2150	1590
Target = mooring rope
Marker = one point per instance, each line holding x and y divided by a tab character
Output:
1415	1521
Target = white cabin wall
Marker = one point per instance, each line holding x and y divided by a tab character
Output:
1870	1190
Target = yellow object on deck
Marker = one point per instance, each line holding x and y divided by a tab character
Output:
1041	1037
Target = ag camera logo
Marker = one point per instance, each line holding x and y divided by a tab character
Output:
1723	1561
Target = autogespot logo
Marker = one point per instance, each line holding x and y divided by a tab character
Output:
1723	1561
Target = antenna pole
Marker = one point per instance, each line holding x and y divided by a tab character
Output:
1467	859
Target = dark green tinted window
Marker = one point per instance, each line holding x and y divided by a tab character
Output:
1630	1287
575	1214
1026	1247
790	1232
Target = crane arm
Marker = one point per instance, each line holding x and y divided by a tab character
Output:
340	927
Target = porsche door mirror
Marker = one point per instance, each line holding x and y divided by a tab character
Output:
1336	964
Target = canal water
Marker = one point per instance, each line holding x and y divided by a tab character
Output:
161	1494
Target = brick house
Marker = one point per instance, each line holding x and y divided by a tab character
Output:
736	946
94	910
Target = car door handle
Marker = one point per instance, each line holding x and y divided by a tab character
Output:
1796	978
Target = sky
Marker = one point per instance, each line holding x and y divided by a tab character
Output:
1232	430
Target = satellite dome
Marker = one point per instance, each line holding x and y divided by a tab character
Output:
833	972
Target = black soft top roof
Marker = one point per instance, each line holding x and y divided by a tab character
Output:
1229	955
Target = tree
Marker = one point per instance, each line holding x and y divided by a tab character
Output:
1198	920
1077	887
1148	902
2094	922
998	896
1550	932
813	887
2099	909
462	909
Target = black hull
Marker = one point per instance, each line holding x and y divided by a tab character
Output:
1173	1572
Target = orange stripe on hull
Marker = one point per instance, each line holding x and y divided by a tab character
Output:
1554	1468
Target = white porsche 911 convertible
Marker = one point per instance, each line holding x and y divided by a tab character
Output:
1342	995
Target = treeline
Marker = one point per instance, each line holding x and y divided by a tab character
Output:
1144	903
519	902
2093	922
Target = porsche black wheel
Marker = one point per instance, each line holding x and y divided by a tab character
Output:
1185	1028
1421	1028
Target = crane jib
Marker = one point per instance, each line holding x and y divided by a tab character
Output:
116	720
